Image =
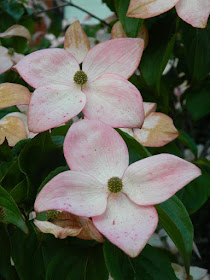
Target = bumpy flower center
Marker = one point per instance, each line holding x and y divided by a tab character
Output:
52	214
80	77
115	185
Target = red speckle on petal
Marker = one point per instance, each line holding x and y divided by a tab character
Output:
80	101
113	222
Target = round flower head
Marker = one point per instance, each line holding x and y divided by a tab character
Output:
101	185
100	90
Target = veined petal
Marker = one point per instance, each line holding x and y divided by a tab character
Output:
13	129
149	108
155	179
97	149
194	12
158	130
149	8
74	192
57	231
127	225
13	94
118	56
5	60
51	106
76	41
48	67
115	101
118	32
16	30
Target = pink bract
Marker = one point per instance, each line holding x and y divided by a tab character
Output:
95	152
106	96
194	12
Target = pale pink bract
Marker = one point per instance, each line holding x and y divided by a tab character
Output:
95	152
106	96
194	12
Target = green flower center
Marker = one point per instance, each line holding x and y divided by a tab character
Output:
80	77
115	185
52	214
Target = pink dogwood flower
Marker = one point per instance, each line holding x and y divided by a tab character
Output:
100	90
194	12
101	185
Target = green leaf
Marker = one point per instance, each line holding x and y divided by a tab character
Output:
13	8
5	264
196	193
72	261
96	267
37	159
53	174
5	111
196	50
110	4
27	255
5	152
134	145
12	213
174	218
198	101
19	146
156	56
19	192
58	134
188	141
151	264
131	26
12	177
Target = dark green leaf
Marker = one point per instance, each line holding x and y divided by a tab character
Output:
12	177
37	159
58	134
134	145
198	101
196	193
196	50
10	210
175	220
13	8
188	141
110	4
19	146
5	152
151	264
5	264
131	26
156	56
53	174
72	261
19	191
4	112
27	255
96	268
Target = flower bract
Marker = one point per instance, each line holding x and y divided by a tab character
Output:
194	12
95	153
101	90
